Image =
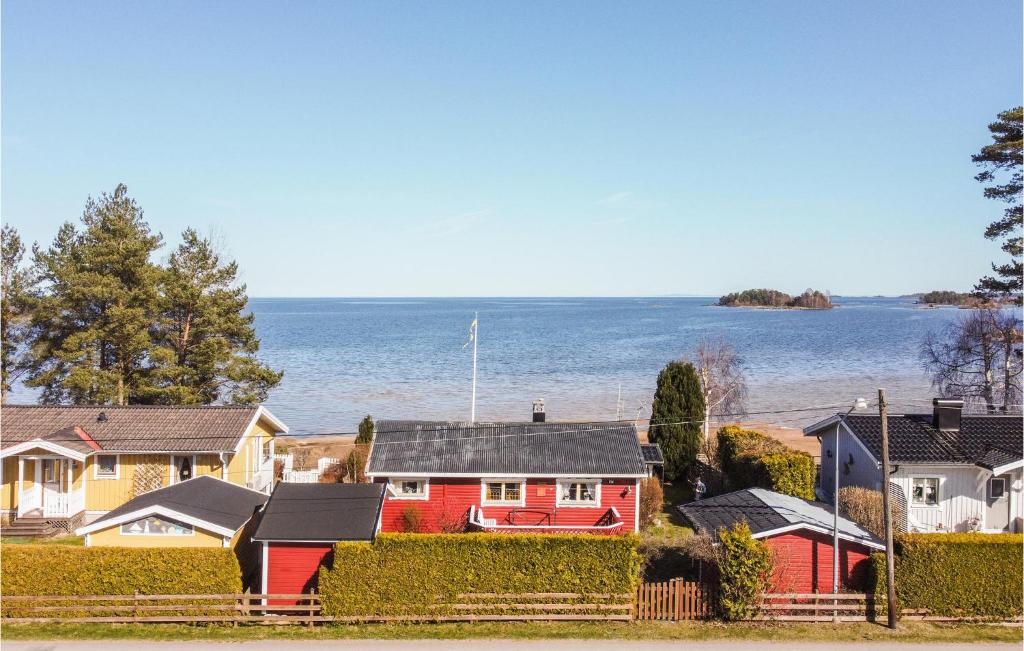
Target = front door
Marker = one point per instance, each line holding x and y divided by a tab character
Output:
997	503
53	496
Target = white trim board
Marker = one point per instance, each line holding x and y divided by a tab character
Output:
155	509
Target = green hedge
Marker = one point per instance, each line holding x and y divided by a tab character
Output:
408	573
60	570
967	575
750	458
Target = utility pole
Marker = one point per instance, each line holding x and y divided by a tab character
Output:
476	330
890	561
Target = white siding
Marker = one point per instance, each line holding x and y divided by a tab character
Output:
1017	501
961	497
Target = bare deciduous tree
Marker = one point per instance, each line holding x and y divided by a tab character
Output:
720	370
977	358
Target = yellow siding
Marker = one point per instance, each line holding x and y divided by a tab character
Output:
10	484
257	436
112	538
108	494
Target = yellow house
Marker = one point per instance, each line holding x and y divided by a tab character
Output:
70	465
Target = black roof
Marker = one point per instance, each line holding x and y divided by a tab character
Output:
652	453
321	512
913	439
766	511
206	498
440	448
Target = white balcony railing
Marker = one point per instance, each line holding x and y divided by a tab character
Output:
262	478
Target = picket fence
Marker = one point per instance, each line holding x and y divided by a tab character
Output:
675	600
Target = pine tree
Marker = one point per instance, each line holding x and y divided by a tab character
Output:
206	344
17	290
677	416
1004	155
91	339
365	435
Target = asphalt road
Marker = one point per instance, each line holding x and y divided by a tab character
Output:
489	645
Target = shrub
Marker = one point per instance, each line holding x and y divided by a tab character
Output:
413	573
412	519
59	570
334	473
749	458
745	569
356	463
652	499
677	416
365	435
957	574
864	506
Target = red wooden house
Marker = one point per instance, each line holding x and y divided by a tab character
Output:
799	532
502	477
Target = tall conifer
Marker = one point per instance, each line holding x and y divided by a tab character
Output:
677	416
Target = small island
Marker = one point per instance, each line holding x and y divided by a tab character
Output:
811	299
948	297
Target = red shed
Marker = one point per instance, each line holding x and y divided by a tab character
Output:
301	523
799	533
503	477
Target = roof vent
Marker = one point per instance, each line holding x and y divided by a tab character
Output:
538	411
946	414
102	417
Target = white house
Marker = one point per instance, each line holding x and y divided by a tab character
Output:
954	471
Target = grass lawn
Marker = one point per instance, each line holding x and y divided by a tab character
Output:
918	632
673	529
77	541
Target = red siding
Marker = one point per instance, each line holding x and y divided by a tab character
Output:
450	500
294	568
803	562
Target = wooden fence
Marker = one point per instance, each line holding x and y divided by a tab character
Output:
674	600
249	608
815	607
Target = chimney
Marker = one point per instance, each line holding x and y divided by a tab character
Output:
946	414
538	410
102	417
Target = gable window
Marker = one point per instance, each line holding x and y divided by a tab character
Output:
156	526
409	489
106	466
576	492
997	488
925	491
503	492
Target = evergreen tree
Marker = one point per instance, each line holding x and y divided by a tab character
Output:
677	417
1004	155
365	435
17	288
91	329
205	342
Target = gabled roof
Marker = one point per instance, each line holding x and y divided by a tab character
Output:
652	454
769	513
983	440
321	512
206	502
506	449
133	428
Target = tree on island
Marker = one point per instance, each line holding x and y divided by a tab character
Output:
975	358
677	417
1004	155
17	290
112	327
722	382
810	299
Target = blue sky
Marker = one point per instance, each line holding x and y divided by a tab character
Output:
467	149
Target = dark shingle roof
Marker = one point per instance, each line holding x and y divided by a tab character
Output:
913	439
766	511
133	428
321	512
206	498
652	453
439	448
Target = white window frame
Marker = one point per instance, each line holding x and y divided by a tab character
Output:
559	501
484	501
396	493
96	467
172	475
1001	480
122	532
938	492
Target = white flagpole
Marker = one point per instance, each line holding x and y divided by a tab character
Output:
476	336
